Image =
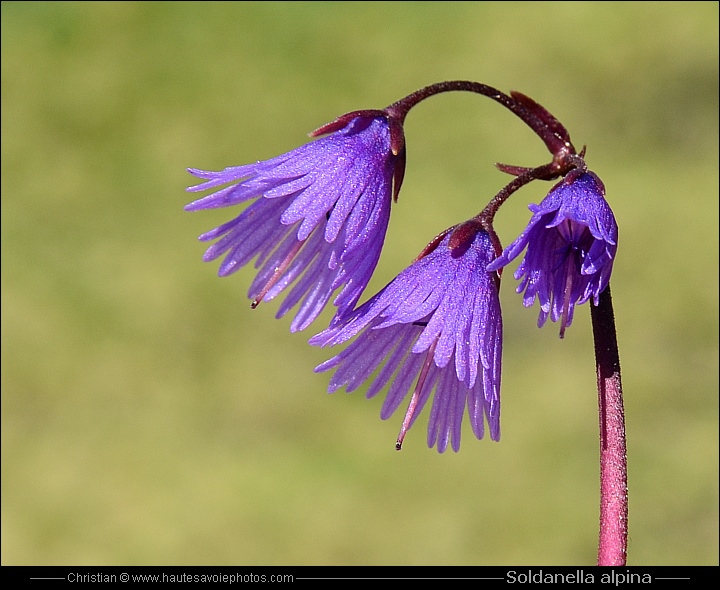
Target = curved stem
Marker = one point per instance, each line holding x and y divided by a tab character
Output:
484	219
544	172
547	127
539	119
612	547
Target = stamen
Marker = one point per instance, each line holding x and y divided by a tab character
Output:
279	270
416	395
566	301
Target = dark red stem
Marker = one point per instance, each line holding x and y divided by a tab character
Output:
545	125
561	165
612	547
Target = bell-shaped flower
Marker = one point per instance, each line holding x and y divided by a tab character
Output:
436	327
571	242
318	220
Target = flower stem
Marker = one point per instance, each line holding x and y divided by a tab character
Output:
484	219
612	547
547	127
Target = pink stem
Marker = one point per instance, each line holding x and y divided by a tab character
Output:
612	547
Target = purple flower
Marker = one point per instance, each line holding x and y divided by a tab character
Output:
319	219
571	242
436	326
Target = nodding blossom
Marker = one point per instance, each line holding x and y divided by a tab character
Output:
318	220
571	241
436	327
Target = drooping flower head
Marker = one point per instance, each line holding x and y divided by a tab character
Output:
436	326
571	242
319	219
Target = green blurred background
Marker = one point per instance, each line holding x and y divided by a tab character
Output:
150	417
